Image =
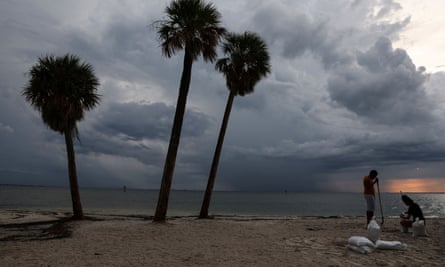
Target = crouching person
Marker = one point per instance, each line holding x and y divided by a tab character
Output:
412	217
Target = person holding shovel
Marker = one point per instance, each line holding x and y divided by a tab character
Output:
369	192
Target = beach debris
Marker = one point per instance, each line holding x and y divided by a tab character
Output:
41	230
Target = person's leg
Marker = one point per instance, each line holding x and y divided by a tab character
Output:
405	224
370	206
369	215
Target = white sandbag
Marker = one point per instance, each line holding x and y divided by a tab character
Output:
419	228
360	249
360	241
395	245
373	230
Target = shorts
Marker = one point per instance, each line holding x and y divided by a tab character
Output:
370	202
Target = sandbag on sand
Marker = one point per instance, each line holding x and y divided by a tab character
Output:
362	249
395	245
373	230
360	241
419	228
360	244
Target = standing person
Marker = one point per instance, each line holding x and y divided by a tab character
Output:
414	212
369	192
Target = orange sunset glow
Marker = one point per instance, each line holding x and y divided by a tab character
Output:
413	185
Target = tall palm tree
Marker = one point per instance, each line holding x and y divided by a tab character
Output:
62	89
247	62
194	26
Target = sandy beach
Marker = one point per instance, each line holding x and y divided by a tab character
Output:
50	239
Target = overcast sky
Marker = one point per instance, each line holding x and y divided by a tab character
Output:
355	85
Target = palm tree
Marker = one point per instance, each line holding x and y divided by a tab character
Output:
246	63
62	89
194	26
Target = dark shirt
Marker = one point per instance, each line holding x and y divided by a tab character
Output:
415	211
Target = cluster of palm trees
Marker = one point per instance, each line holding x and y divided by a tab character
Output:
61	88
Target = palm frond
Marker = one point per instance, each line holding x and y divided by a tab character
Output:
193	24
246	62
61	89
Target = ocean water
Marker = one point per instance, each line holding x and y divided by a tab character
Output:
136	202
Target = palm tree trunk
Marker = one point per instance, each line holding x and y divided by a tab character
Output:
208	194
74	187
167	177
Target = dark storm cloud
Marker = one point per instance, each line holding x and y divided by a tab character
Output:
339	100
256	173
384	87
127	51
300	35
29	152
137	121
138	130
152	121
298	172
325	35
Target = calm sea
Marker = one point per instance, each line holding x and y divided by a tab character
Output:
187	203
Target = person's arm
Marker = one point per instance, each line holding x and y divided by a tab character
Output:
405	215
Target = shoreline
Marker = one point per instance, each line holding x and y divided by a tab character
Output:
52	239
23	217
35	214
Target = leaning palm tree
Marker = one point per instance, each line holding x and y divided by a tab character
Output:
62	89
194	26
246	63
